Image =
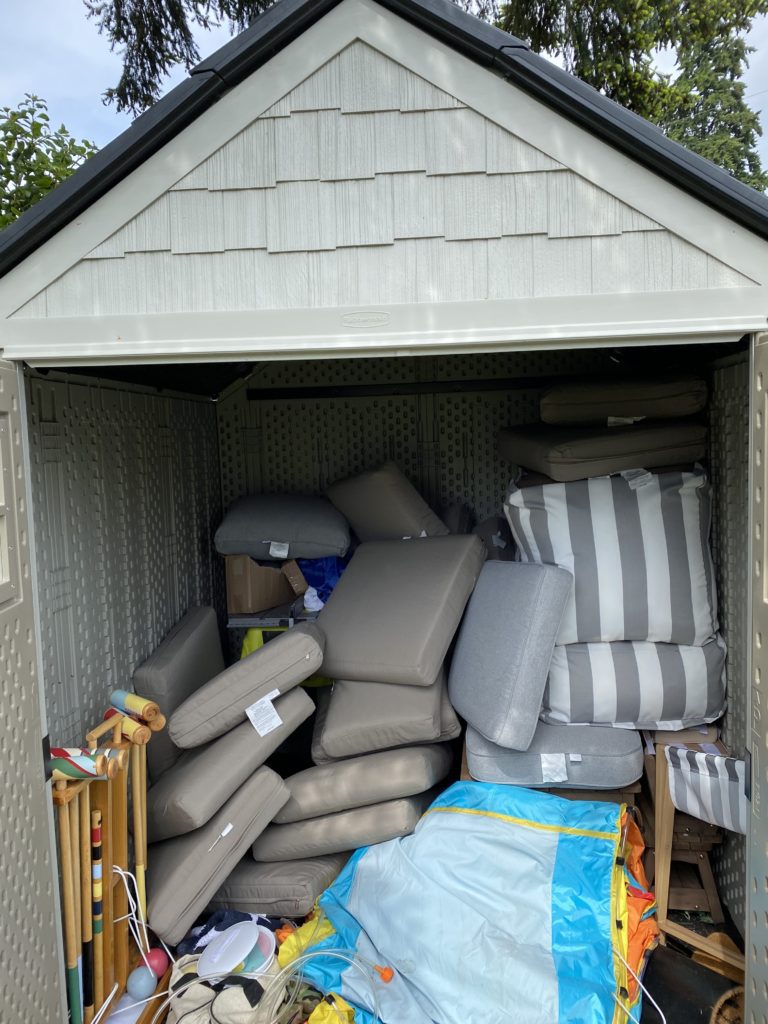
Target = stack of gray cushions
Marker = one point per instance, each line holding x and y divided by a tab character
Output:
637	647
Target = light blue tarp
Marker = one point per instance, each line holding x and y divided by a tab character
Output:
498	908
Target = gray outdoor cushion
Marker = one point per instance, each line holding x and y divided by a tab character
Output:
221	704
347	830
622	399
362	717
360	781
638	546
636	684
505	644
184	873
383	504
576	453
203	779
393	613
281	889
571	756
187	658
310	527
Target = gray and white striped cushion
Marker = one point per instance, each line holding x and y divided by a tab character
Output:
637	545
636	685
709	787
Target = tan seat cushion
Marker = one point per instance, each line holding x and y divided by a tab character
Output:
383	504
393	613
644	399
282	889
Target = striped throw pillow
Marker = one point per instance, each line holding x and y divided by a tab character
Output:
636	685
637	545
708	786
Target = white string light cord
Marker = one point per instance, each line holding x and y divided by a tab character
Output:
653	1002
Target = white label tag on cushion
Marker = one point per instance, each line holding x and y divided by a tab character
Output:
574	757
498	541
553	768
263	716
637	477
278	549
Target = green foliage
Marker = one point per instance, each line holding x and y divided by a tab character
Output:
34	157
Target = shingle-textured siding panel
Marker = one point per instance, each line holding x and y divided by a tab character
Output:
367	184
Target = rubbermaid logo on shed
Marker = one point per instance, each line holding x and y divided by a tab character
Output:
365	319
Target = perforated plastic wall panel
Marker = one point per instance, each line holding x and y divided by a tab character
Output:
127	497
445	443
729	458
30	968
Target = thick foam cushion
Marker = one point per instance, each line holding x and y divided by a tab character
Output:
500	664
220	705
281	889
622	399
347	830
185	872
362	717
638	548
572	756
394	611
310	526
186	659
636	685
383	504
203	779
575	453
359	781
450	727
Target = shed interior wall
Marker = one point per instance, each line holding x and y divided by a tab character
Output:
129	487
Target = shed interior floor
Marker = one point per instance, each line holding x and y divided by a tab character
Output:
132	467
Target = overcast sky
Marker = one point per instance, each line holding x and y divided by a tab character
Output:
50	48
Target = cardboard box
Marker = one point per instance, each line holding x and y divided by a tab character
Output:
255	588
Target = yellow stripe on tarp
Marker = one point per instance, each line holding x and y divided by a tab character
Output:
562	829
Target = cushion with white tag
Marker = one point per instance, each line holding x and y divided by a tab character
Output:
393	613
187	658
272	527
637	545
347	830
249	685
636	685
576	453
186	871
280	889
359	781
500	663
598	402
571	756
191	792
383	504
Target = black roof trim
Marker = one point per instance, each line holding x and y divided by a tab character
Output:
481	42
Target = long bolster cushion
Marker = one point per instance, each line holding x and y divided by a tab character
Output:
576	453
382	504
500	664
638	547
370	735
636	685
221	704
346	830
359	781
185	872
395	610
571	756
363	717
601	401
187	658
203	779
281	889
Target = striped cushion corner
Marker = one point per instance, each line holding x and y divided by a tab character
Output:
638	548
709	787
638	684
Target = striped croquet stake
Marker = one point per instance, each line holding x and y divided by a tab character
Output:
98	910
86	883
